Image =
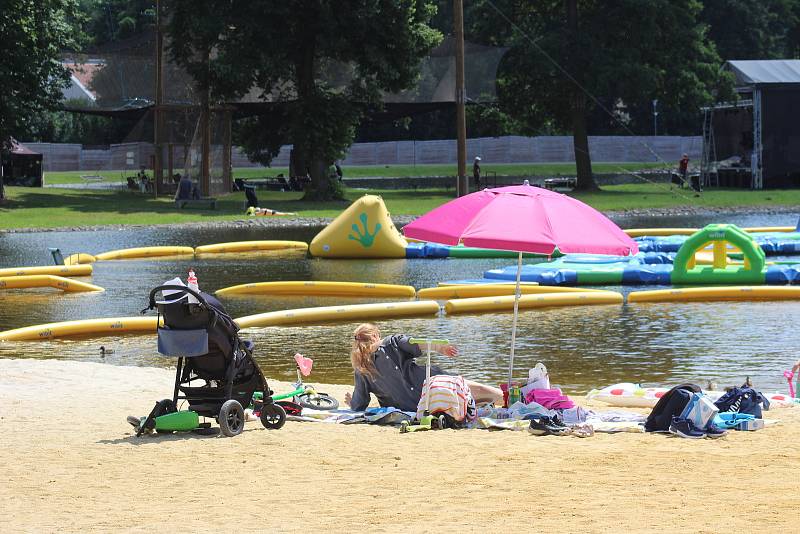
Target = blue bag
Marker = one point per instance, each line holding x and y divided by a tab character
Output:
743	400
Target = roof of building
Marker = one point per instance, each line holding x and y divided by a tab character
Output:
764	71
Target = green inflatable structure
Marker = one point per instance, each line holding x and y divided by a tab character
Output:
720	236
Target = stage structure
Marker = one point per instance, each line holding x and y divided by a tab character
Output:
755	142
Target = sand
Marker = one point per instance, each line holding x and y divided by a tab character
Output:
68	462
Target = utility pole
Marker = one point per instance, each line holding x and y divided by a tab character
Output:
158	163
462	187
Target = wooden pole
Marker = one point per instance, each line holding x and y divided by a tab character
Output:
158	163
462	187
205	133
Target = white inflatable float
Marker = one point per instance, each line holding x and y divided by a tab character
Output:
630	395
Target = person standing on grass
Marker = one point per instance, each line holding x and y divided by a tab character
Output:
683	169
476	171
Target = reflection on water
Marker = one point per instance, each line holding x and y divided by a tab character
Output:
582	347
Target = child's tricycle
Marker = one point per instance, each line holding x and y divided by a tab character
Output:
303	395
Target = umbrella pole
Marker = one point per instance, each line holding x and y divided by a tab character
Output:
514	323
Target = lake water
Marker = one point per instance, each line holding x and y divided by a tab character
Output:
583	347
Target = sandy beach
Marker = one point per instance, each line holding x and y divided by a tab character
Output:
69	462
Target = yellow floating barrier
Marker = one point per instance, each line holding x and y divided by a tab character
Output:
85	327
46	280
144	252
79	259
353	312
58	270
764	229
339	289
639	232
506	303
250	246
492	290
700	294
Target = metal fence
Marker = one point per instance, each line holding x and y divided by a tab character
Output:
510	149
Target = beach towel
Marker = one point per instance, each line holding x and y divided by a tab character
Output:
552	399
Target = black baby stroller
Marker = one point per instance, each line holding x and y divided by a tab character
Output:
210	354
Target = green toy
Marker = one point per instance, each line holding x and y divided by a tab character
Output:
427	421
720	237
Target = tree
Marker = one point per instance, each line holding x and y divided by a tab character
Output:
33	33
315	64
568	60
751	29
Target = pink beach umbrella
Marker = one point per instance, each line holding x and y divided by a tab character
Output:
522	218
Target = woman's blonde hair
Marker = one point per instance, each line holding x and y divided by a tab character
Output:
366	338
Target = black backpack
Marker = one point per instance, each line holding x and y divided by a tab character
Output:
742	400
670	405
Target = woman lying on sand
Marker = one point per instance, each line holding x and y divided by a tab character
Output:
386	368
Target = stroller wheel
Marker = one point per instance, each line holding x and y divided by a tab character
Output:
231	418
320	401
273	416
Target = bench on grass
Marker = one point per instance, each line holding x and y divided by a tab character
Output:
92	178
198	203
566	183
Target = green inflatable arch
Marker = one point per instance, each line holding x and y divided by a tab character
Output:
719	235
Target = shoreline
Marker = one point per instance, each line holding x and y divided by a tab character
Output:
400	220
71	464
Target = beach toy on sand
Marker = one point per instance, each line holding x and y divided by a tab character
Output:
789	375
627	395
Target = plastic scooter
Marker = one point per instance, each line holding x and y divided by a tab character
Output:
427	421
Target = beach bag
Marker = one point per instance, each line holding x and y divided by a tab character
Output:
699	410
670	405
743	400
450	396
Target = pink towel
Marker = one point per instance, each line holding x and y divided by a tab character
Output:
552	399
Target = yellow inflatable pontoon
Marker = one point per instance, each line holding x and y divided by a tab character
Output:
492	290
354	312
341	289
108	326
506	303
655	232
700	294
79	258
363	230
250	246
144	252
46	280
58	270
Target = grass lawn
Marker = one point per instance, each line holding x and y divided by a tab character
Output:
51	208
369	171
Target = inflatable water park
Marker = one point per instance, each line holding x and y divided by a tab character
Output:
718	262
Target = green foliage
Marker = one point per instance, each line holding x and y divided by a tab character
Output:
31	71
114	20
323	60
752	29
664	55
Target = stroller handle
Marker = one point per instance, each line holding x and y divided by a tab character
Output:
182	289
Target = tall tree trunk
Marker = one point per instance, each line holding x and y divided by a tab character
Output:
580	137
321	187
